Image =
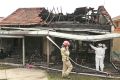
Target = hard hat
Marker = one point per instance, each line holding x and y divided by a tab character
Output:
66	43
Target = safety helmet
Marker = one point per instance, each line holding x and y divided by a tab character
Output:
66	43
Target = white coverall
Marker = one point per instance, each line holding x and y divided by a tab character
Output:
67	66
99	56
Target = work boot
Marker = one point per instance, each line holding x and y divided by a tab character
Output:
66	77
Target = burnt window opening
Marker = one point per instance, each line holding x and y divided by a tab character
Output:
15	44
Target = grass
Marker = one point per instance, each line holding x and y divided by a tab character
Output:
53	75
57	76
2	67
6	67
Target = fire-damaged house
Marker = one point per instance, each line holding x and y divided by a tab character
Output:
23	35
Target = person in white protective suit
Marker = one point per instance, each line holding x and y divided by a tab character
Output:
99	55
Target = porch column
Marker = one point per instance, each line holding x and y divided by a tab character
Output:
23	50
111	45
48	53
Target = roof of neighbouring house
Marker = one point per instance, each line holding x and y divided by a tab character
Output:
24	16
1	18
116	18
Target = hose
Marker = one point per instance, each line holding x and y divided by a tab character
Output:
73	60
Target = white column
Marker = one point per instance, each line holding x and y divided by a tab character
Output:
48	52
23	50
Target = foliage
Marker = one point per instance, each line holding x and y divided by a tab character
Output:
57	76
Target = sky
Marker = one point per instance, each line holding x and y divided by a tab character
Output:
67	6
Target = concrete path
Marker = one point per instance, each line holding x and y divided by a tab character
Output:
23	74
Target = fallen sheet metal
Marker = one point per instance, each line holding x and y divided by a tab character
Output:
62	35
85	37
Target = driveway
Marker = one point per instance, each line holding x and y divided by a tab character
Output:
23	74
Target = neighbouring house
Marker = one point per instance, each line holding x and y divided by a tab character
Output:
1	18
116	44
24	33
116	21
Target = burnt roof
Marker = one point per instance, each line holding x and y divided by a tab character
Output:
38	16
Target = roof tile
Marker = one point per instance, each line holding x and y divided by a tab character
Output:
24	16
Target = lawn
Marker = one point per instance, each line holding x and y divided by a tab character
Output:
54	75
57	76
6	67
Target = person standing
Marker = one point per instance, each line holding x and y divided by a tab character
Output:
67	66
99	55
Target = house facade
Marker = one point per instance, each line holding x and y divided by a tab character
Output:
23	34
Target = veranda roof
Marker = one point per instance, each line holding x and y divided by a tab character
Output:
81	37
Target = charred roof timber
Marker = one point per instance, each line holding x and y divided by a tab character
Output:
82	15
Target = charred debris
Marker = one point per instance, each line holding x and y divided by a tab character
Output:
82	17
